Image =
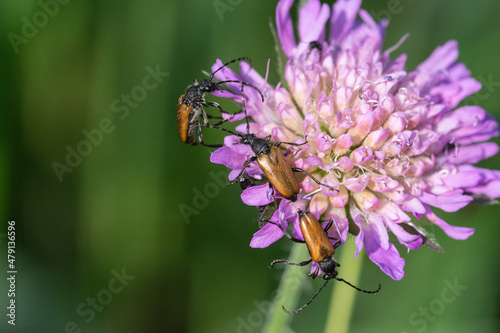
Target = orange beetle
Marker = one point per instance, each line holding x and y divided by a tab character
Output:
269	157
273	163
321	251
190	106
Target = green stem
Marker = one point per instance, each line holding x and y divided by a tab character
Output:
343	296
288	291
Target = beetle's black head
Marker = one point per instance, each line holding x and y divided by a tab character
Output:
259	146
245	182
329	266
207	85
315	45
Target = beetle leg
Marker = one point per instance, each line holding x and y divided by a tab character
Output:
296	240
245	165
223	120
200	135
315	273
328	226
286	262
200	140
213	117
216	105
314	178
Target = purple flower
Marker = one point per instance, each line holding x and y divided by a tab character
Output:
393	143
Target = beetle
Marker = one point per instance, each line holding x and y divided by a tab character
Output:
274	165
190	105
321	251
316	45
271	161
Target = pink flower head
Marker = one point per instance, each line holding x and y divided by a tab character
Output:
393	143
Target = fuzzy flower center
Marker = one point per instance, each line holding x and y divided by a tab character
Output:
392	143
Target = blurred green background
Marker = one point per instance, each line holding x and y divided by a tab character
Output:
116	211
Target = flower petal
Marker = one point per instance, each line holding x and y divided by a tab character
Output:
312	19
448	203
285	27
258	195
474	153
344	14
389	260
409	240
452	231
269	234
228	157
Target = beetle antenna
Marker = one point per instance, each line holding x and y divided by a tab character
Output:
243	84
324	284
244	108
220	128
359	289
229	63
309	302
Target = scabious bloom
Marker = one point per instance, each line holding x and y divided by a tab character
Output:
394	144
